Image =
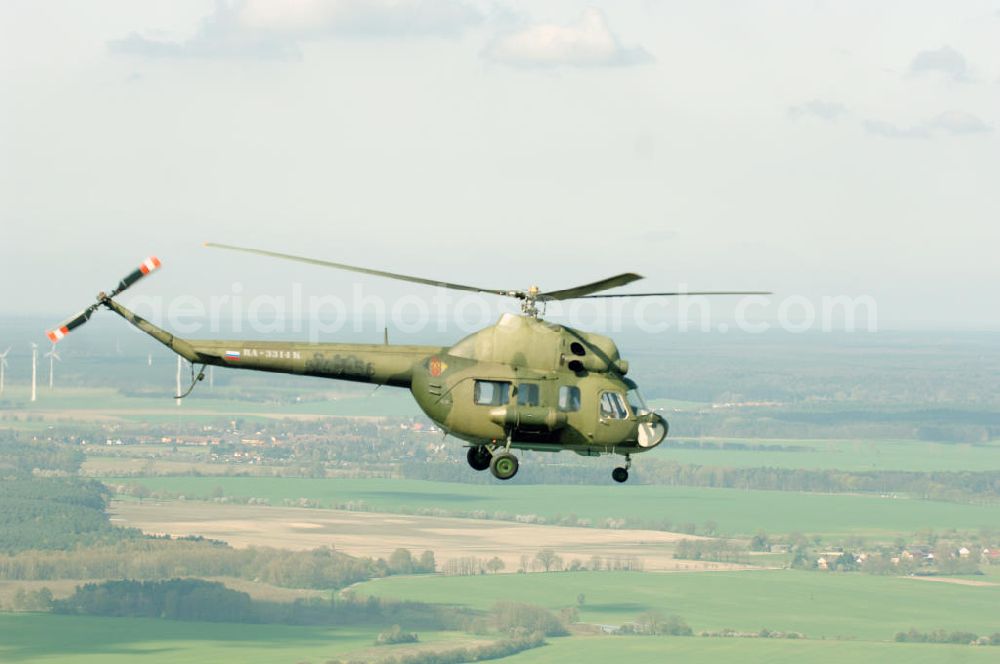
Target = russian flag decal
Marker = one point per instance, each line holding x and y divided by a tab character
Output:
232	355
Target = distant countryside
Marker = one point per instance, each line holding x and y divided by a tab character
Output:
807	505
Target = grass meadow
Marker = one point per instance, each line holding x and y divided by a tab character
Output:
657	650
735	512
43	637
39	637
78	403
840	454
819	605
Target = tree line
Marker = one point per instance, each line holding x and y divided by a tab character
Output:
145	559
210	601
940	485
944	636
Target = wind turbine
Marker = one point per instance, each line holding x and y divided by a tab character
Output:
34	370
3	367
53	356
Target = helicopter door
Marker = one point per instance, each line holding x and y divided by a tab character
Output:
613	419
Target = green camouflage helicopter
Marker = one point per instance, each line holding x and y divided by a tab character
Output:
522	383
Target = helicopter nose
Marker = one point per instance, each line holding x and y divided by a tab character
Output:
653	431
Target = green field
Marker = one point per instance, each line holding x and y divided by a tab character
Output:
85	640
657	650
78	401
40	637
736	512
819	605
854	455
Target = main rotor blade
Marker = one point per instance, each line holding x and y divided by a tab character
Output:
584	291
362	270
683	293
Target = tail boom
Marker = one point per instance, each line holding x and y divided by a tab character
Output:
365	363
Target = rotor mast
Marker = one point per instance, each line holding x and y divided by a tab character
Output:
529	301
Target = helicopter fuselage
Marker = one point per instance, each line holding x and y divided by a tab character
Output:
539	385
522	383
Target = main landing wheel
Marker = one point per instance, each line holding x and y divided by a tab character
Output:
479	457
503	466
619	475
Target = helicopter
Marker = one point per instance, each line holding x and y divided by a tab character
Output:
523	383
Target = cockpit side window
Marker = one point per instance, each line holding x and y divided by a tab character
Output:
613	406
635	400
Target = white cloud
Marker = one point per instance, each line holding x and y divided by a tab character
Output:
889	130
276	29
360	17
819	108
945	61
959	122
954	123
588	42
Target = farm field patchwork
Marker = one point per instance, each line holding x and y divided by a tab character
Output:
734	511
40	637
78	403
840	454
695	650
377	535
819	605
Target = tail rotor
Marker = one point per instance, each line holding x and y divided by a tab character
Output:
147	266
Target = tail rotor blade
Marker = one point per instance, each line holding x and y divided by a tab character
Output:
71	323
151	264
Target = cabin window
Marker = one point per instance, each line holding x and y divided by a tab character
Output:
613	406
491	392
569	398
527	394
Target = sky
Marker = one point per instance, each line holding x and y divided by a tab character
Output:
814	149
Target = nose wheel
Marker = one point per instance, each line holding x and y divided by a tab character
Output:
620	474
503	465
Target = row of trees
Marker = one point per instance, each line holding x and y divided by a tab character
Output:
654	623
147	559
209	601
944	636
944	485
545	560
510	645
716	550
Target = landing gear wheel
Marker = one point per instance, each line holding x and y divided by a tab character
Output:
504	466
619	475
479	458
